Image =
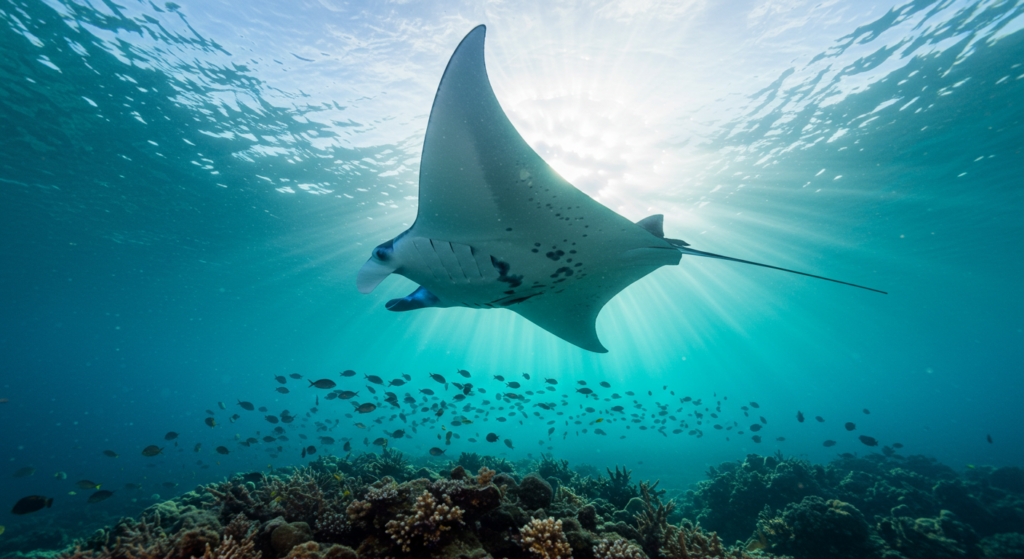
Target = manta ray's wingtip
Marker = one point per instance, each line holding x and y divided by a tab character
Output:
480	31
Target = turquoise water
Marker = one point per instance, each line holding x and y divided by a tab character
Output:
188	191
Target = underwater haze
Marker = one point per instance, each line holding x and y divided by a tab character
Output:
189	189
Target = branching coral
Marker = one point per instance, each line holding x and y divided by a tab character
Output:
470	461
618	549
389	463
690	542
545	539
378	498
652	521
140	540
485	475
558	469
232	499
239	527
331	527
617	490
427	524
298	497
567	496
229	548
192	543
384	490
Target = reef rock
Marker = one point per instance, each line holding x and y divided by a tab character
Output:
587	516
313	550
535	492
1003	546
817	528
287	536
930	538
730	502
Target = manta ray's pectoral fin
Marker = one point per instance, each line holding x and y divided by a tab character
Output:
372	273
419	299
576	324
694	252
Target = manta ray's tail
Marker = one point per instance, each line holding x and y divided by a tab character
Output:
688	250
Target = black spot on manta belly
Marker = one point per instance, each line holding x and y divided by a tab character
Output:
563	270
555	255
503	268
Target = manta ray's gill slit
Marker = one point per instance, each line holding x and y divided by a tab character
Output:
518	300
439	259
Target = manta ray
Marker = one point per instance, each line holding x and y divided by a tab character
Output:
498	228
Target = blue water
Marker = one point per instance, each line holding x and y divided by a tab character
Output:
188	190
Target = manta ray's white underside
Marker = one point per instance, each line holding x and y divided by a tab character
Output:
498	228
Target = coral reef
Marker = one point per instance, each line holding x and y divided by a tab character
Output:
876	507
819	528
729	503
943	537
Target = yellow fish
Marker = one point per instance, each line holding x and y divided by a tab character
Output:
2	529
72	493
599	420
443	428
347	493
337	477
